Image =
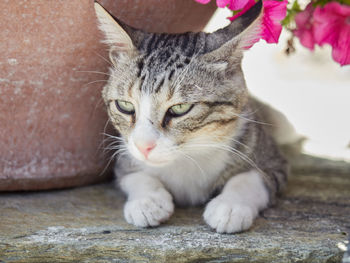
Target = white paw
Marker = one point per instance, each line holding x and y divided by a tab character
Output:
226	216
150	210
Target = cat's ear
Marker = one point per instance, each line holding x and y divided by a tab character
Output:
122	39
237	36
115	35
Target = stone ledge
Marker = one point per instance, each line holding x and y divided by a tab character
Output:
310	223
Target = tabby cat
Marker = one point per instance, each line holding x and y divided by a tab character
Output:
189	130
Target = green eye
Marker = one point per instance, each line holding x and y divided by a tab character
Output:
125	106
180	109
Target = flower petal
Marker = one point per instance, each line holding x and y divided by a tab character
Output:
238	4
274	12
223	3
331	27
305	18
203	1
341	50
306	38
248	5
304	27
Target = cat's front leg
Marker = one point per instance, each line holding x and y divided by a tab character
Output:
234	210
149	203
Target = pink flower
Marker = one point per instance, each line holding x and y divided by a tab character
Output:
304	27
232	4
274	13
332	26
203	1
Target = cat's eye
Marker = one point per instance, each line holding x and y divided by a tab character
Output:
180	109
125	106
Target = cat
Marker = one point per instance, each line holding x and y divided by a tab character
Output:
190	133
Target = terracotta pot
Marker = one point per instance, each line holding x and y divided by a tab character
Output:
173	16
51	114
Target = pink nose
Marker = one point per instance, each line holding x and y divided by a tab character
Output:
146	148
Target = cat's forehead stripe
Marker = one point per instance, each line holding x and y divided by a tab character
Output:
185	43
170	76
160	84
165	55
150	43
140	65
154	76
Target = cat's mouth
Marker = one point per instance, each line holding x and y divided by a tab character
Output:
154	159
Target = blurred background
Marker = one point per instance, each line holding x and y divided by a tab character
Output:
310	88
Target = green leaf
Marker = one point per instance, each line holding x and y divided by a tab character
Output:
345	2
291	12
296	7
321	3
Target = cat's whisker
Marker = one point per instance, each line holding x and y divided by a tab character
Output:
98	103
96	72
241	143
121	154
101	145
115	137
105	127
112	147
227	138
245	114
241	155
109	149
182	76
235	141
95	81
115	141
198	87
109	162
112	141
254	121
105	59
193	160
229	149
169	151
115	146
251	112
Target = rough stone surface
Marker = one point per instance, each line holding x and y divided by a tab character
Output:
310	223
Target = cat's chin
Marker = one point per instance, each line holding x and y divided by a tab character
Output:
153	163
156	163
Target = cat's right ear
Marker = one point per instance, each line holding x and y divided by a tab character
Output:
116	37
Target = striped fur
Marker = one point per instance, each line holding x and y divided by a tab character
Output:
198	154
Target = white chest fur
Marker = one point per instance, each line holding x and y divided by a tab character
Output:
191	180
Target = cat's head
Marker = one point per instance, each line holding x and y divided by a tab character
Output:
173	96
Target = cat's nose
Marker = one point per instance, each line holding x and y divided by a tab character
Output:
146	148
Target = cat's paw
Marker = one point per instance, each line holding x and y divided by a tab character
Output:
150	210
226	216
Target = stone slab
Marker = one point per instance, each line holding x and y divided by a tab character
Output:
310	223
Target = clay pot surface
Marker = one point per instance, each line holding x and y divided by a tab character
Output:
51	113
172	16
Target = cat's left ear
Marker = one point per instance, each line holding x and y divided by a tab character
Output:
122	39
237	36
